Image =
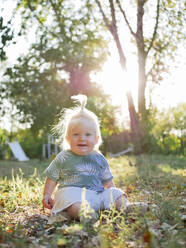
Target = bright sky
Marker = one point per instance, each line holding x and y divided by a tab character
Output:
169	93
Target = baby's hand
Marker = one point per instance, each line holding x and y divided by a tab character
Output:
47	201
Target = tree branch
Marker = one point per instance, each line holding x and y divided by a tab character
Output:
113	29
106	21
150	71
125	18
155	27
112	10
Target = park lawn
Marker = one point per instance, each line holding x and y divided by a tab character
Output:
156	179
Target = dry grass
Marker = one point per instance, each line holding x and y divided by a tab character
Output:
158	180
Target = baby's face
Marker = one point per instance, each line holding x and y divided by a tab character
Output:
82	138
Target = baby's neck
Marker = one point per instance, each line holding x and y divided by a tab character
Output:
83	155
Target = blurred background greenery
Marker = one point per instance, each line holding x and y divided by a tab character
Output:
66	43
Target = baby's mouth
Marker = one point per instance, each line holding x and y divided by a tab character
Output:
82	145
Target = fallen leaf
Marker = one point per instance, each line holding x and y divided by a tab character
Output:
56	218
147	236
2	204
61	241
4	245
130	244
165	226
96	241
44	217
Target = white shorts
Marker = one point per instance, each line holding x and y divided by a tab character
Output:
67	196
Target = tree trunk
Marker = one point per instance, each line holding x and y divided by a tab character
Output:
141	84
79	80
134	122
134	118
120	51
141	60
112	27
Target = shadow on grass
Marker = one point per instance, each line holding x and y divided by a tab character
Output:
27	168
159	180
160	171
162	181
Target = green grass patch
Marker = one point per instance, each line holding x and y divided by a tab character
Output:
156	179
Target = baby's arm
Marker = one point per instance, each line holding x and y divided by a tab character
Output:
108	184
48	190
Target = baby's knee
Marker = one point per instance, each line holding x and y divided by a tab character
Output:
121	202
74	210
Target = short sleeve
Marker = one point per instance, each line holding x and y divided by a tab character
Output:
107	174
52	171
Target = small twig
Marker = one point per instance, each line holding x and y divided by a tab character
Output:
130	149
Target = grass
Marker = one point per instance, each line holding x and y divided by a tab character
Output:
156	179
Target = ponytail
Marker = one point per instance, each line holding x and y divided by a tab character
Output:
82	99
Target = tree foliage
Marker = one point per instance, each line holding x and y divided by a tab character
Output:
6	36
67	44
67	36
169	129
65	48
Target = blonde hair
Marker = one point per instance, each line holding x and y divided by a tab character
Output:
68	117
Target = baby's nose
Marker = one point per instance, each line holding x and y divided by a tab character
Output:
82	136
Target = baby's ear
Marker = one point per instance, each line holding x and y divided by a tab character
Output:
67	138
97	139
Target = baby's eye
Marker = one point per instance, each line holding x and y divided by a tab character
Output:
88	134
75	134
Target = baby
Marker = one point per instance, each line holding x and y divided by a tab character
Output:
80	169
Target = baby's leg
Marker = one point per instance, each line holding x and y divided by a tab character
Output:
74	210
113	196
122	202
74	213
69	200
141	207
